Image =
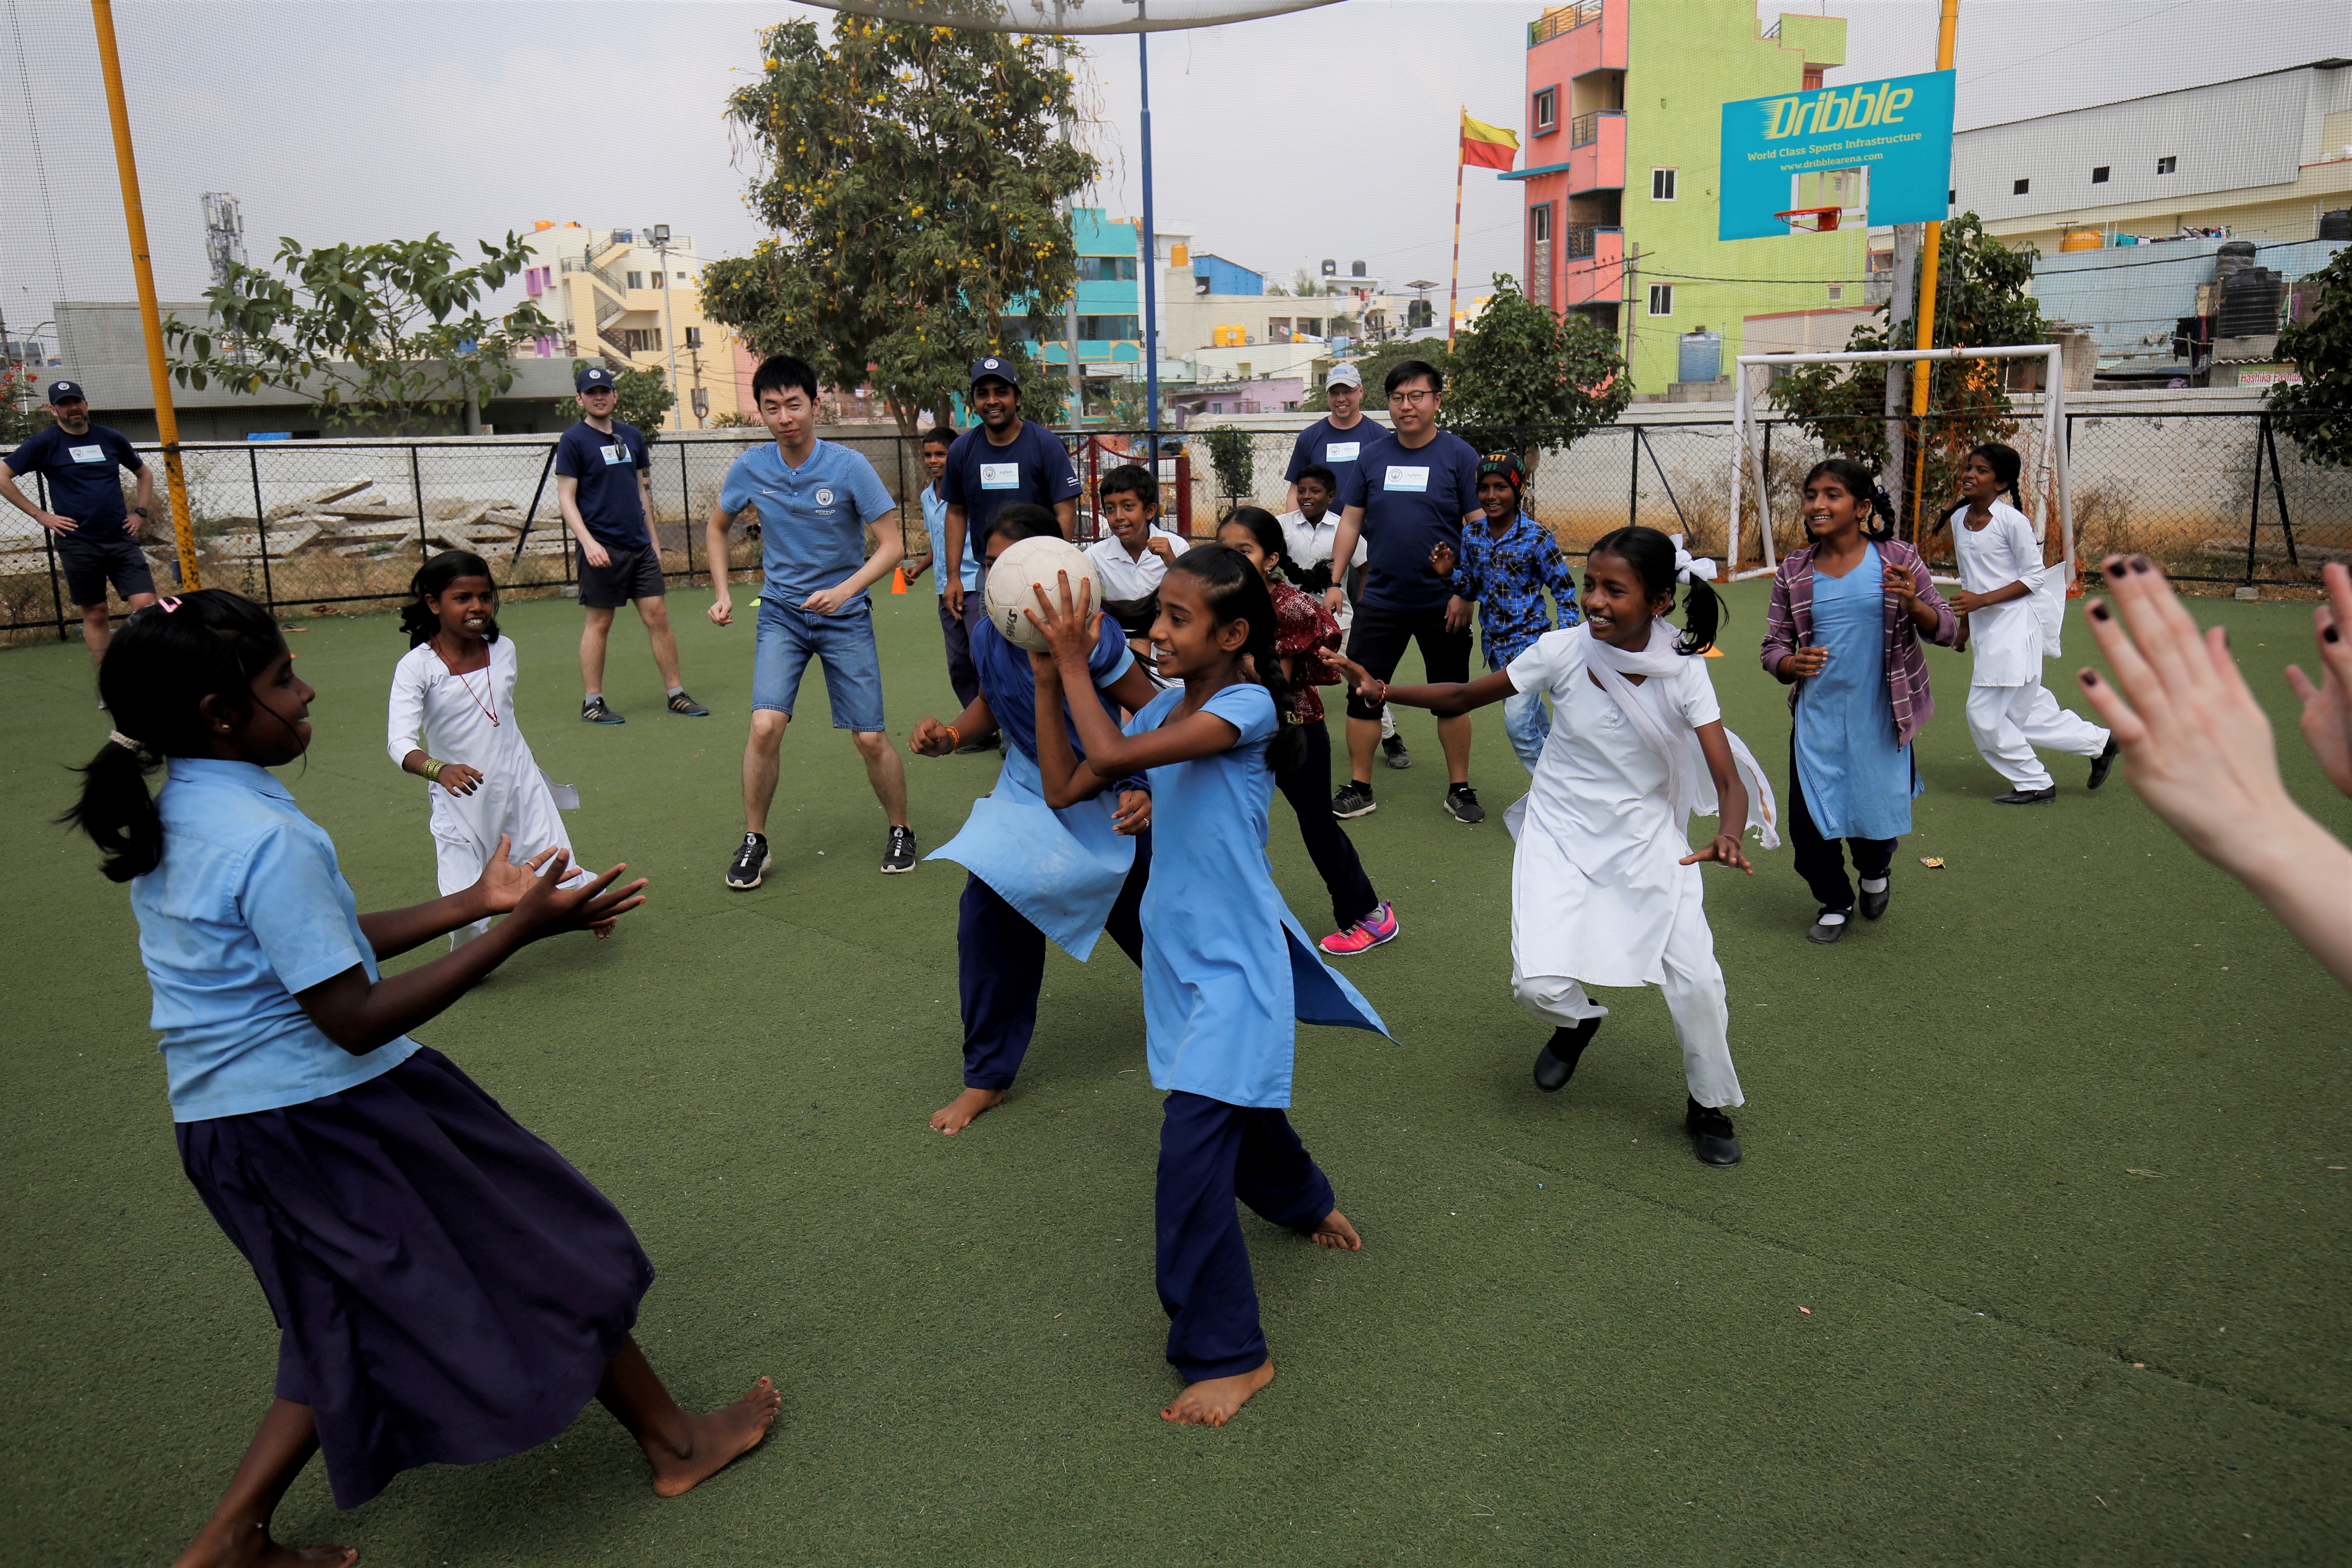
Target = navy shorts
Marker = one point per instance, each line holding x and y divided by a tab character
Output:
633	575
843	643
99	553
1379	637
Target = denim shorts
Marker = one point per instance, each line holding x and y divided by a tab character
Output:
843	643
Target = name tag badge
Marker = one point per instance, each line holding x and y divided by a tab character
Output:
87	454
615	454
1341	451
1404	479
999	476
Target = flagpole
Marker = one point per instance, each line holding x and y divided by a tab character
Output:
1461	164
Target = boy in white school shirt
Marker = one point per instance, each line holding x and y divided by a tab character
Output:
1135	554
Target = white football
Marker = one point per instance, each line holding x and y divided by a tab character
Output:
1029	563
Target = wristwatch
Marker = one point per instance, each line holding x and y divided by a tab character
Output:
141	510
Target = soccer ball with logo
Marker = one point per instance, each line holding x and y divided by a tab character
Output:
1030	564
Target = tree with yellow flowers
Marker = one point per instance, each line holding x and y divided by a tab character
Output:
913	176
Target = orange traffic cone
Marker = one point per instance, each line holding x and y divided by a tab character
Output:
897	579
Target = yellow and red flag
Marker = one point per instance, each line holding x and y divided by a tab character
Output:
1488	146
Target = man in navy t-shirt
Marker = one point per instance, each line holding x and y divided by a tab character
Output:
604	482
97	543
1002	460
1337	440
1407	494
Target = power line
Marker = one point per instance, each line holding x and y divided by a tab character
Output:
2070	272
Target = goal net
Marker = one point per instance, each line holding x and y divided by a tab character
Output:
1771	452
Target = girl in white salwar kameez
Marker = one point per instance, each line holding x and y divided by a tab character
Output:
453	724
2009	615
1604	887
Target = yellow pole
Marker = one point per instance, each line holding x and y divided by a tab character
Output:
1931	256
126	165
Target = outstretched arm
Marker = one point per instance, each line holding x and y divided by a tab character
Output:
1730	798
360	1015
1448	701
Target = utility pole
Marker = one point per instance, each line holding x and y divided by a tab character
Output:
1898	311
1633	270
661	233
1931	261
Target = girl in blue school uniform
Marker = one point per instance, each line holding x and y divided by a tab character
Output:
1228	972
447	1289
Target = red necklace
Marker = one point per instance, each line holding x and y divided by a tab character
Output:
486	699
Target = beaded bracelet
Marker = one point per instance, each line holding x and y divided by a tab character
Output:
955	737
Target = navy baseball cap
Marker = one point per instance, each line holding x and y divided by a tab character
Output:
62	389
1001	369
595	378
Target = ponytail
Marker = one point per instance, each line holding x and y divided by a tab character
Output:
433	580
1661	562
167	658
1237	591
1860	481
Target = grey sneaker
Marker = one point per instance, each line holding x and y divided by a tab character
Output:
595	713
1354	800
1392	751
751	863
899	855
682	703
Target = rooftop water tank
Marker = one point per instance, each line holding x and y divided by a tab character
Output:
2249	303
2336	224
2082	240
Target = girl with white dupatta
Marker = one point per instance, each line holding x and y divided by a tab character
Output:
1605	890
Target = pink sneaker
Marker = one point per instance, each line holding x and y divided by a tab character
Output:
1365	934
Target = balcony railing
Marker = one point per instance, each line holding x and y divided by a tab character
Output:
1562	19
1585	129
1582	238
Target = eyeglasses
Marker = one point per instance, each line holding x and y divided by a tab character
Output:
1419	395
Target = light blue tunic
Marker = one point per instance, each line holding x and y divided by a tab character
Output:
1228	972
1858	783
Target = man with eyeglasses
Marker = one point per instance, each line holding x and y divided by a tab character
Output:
1409	492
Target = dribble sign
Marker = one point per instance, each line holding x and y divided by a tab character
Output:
1891	139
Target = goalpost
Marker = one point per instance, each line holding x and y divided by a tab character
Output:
2043	483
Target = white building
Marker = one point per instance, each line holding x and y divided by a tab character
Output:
2262	157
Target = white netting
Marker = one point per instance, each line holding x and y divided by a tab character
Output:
1072	15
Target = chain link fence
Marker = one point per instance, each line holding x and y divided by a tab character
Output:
2220	498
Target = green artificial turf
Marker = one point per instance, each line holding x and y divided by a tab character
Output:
2075	1105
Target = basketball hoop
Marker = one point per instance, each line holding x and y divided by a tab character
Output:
1811	220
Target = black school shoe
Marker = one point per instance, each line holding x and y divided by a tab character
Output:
2104	762
1825	930
1711	1136
1392	751
1874	904
899	854
1556	1063
2026	797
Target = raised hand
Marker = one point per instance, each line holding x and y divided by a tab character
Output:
1072	629
1901	588
1441	558
2327	707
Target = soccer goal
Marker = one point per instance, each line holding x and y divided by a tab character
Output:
2040	443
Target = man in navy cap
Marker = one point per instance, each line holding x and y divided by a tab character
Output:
1002	460
604	482
97	537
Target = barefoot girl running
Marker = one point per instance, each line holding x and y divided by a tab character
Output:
1604	889
452	697
1305	637
447	1289
1227	970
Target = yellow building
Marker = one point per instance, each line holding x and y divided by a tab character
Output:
632	299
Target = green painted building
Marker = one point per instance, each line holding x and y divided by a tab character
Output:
1623	134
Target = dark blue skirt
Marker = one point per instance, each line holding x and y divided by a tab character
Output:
447	1288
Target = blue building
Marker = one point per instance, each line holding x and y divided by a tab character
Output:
1111	296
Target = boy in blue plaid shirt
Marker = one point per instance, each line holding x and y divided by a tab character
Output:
1506	567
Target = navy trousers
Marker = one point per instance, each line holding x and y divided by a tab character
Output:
957	635
1307	788
1210	1155
1001	964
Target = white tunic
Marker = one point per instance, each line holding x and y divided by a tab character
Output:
2006	637
449	717
1595	887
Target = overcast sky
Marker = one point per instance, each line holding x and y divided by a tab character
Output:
1277	142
